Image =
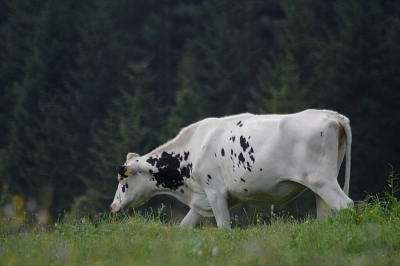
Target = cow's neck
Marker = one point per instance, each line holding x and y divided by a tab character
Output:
169	169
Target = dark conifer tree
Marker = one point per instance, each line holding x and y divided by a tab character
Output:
41	149
358	77
133	125
17	20
221	61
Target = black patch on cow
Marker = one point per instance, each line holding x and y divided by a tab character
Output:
121	170
243	143
321	134
248	166
215	155
152	161
239	123
180	158
124	187
241	158
232	138
252	158
260	169
245	190
150	171
186	155
231	152
209	176
186	171
182	191
242	180
222	152
170	173
251	155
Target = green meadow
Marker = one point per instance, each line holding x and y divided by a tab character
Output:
369	234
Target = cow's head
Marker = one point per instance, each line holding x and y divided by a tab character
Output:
134	188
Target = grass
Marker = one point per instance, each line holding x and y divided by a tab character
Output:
367	235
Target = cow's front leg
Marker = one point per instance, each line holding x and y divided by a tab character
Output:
191	219
219	205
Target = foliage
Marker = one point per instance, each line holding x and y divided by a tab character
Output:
122	132
83	83
383	209
355	74
366	235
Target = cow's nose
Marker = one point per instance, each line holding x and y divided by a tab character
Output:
115	207
121	170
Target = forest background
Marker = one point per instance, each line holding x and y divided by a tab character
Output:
84	82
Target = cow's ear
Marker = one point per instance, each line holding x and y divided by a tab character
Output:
131	155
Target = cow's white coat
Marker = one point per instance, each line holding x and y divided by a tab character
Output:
255	159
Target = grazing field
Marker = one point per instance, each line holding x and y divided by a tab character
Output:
367	235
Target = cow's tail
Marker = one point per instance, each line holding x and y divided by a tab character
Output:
345	122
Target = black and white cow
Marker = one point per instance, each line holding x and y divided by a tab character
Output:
216	163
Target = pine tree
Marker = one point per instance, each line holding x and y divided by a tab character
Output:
133	125
220	62
286	78
16	36
358	77
42	137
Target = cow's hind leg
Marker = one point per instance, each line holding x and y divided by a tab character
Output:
329	196
191	219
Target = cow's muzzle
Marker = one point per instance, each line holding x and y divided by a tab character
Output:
122	171
115	207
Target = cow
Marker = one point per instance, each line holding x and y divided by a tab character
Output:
216	163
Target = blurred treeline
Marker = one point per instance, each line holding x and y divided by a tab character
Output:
84	82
